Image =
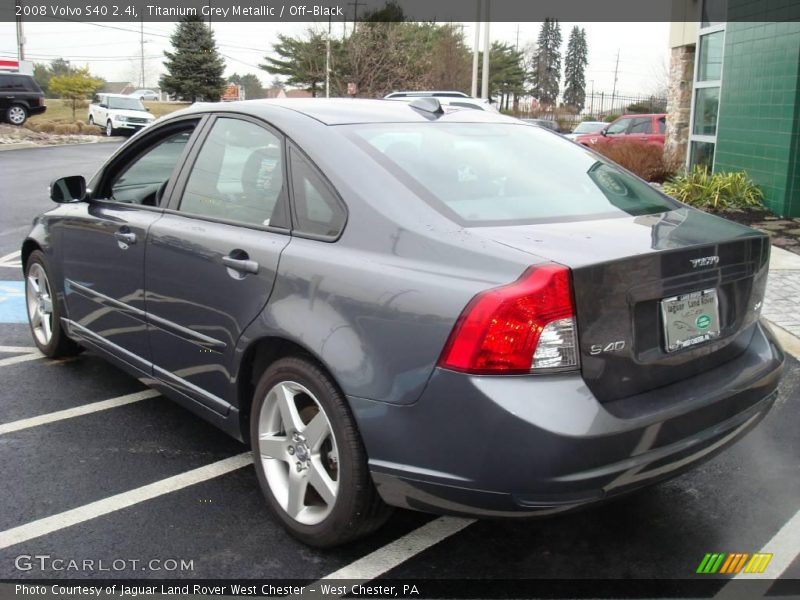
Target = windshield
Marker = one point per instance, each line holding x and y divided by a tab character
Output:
126	103
495	174
588	127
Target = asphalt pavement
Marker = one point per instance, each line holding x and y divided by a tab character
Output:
72	483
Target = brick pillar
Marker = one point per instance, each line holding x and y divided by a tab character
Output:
679	102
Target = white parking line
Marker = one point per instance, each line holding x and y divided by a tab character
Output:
400	550
69	413
12	261
41	527
13	360
17	349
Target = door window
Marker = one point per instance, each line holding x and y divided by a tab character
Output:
618	127
641	125
143	180
317	209
238	174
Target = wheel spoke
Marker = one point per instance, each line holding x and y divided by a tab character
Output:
34	284
322	482
48	304
271	446
297	493
288	409
46	327
316	431
36	317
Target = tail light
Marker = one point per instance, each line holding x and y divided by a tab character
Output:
41	100
524	327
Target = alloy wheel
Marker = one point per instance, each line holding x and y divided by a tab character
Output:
16	115
109	129
298	452
40	304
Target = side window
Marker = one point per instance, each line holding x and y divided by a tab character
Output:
662	125
238	174
618	126
642	125
317	209
5	82
144	179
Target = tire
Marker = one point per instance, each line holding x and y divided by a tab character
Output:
304	455
109	129
91	120
44	312
16	114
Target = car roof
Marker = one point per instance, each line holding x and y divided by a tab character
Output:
113	95
344	111
643	115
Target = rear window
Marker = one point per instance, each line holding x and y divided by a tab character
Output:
18	83
495	174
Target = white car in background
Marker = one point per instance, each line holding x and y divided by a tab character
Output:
117	113
145	95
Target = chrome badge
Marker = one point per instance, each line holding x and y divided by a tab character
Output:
706	261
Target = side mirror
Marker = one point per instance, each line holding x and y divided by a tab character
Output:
147	109
604	132
103	105
68	189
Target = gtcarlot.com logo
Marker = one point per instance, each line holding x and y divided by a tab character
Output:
46	562
733	563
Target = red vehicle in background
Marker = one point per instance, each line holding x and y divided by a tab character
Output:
646	129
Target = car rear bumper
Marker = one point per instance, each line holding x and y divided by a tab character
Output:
36	110
524	446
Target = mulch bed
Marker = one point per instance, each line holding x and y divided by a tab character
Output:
785	232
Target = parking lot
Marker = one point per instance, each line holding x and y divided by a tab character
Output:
93	466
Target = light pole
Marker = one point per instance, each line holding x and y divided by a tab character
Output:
474	91
486	48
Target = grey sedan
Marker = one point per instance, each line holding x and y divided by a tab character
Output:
409	305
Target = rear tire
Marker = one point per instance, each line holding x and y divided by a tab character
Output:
44	312
16	114
312	445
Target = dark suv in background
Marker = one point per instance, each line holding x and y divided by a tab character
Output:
20	97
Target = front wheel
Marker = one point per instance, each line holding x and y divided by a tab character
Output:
91	120
109	128
309	458
44	313
16	114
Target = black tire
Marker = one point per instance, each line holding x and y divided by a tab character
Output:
358	509
91	120
110	131
16	114
60	345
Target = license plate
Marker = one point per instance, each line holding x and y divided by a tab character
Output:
690	319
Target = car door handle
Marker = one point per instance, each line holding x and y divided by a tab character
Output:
126	237
242	265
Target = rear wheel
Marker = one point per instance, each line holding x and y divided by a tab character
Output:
309	458
44	313
16	114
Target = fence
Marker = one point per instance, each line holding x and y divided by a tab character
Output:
599	106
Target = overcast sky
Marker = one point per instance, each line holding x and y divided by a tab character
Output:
112	50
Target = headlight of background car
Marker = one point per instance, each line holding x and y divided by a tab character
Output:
120	119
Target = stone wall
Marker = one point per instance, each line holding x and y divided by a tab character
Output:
679	102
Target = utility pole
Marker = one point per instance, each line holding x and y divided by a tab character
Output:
474	91
486	48
141	46
614	89
591	110
328	61
355	6
20	34
516	44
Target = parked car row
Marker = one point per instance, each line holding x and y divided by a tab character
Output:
647	129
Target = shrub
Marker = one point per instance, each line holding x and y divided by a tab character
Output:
645	160
715	191
610	118
66	128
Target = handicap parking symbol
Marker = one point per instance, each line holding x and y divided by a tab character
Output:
12	302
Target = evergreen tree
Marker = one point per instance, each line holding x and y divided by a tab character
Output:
250	83
575	69
302	60
506	72
545	63
194	69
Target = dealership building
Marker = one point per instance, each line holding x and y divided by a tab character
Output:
734	96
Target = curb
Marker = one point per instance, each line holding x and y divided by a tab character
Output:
25	145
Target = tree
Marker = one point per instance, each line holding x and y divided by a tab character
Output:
506	72
194	69
545	63
250	83
75	86
301	60
575	69
43	73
